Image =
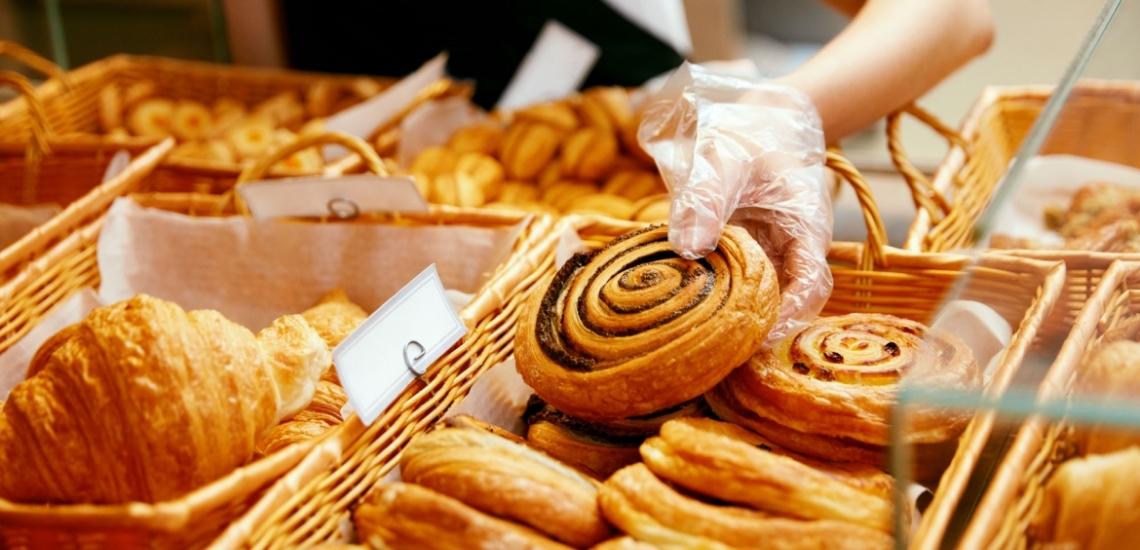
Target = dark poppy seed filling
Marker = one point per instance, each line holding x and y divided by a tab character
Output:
639	287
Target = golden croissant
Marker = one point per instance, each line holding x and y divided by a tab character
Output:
143	401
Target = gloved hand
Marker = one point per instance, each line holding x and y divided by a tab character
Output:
750	152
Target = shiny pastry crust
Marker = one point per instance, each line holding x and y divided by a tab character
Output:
322	415
402	516
598	449
633	328
838	449
145	369
650	510
1092	503
727	462
839	377
624	543
1111	373
507	480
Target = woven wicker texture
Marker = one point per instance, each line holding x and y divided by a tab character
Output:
1097	122
313	502
49	266
1014	496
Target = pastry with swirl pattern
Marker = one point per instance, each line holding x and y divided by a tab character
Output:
634	328
828	391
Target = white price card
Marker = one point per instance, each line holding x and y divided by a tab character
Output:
555	66
363	119
397	344
337	197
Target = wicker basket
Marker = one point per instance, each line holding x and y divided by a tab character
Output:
1014	497
1097	122
44	168
72	103
312	503
52	274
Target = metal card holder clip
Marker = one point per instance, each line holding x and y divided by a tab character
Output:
409	362
345	208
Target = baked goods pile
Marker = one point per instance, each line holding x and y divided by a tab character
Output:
145	402
650	379
228	130
579	154
1091	501
1102	217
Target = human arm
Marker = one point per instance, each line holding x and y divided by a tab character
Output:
892	52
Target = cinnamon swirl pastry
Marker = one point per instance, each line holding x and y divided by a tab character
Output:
633	328
640	504
507	480
729	463
598	449
828	390
402	516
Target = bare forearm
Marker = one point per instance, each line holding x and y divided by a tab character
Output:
892	52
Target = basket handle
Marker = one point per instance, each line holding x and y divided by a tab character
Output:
258	170
873	250
922	190
31	59
38	146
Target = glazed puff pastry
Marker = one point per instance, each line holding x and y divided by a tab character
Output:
729	463
651	511
143	401
836	381
633	328
403	516
508	480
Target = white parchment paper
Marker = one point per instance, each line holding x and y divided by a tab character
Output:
15	360
1051	180
253	272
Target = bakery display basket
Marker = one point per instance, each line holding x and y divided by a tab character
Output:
72	102
1009	513
1097	122
63	259
314	502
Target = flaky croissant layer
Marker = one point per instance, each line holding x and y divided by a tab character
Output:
143	401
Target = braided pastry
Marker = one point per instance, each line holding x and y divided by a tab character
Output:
633	328
828	391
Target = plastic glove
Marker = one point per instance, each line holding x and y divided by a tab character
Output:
750	152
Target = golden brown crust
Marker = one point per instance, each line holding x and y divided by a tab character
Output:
1111	373
507	480
334	317
840	376
589	456
650	510
1093	503
838	449
726	462
633	328
401	516
624	543
322	415
596	448
94	424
